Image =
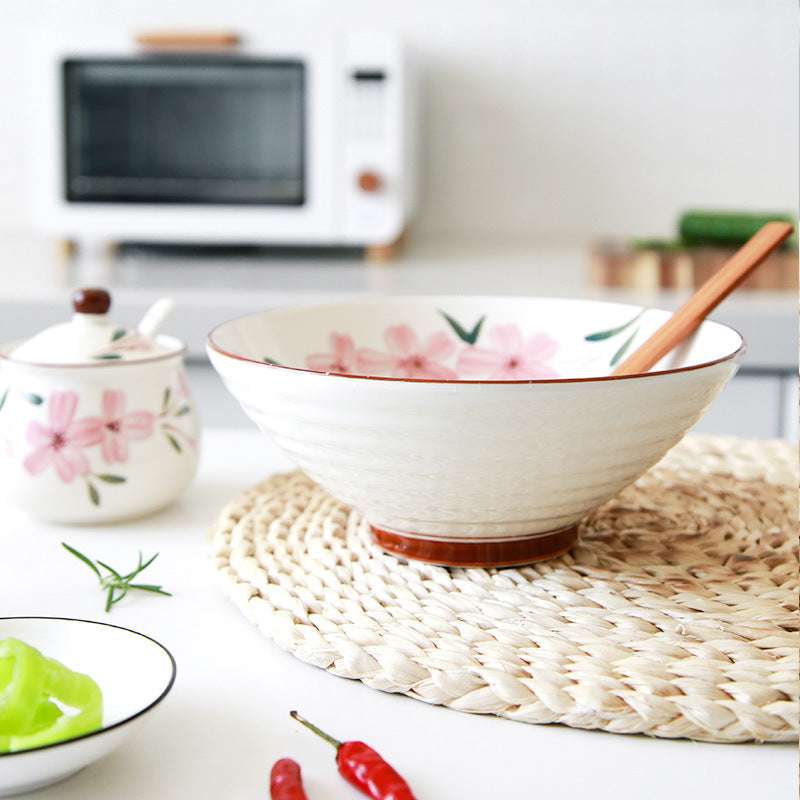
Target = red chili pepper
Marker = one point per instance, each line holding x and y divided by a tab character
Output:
285	782
362	766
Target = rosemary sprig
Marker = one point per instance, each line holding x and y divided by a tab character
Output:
115	584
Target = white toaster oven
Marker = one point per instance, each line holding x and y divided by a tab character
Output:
285	138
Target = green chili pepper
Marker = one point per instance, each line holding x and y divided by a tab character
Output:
6	670
22	694
41	701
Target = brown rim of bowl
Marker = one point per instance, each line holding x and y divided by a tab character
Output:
484	553
108	362
730	357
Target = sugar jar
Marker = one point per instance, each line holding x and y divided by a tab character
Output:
96	420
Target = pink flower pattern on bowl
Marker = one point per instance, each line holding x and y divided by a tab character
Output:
438	357
341	359
511	357
408	357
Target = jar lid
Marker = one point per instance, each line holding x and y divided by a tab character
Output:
91	337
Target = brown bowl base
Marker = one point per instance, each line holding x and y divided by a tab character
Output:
509	553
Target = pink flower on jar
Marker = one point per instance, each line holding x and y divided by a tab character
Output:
511	357
116	428
408	357
61	444
341	358
183	386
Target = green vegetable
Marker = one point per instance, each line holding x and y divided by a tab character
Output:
22	694
114	583
726	228
662	245
41	701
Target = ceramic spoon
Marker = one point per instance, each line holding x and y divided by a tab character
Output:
707	297
155	316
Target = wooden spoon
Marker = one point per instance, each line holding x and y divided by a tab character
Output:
707	297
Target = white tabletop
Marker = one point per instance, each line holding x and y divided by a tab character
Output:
226	720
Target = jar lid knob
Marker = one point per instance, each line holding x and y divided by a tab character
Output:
91	301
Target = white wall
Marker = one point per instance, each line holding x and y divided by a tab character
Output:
544	120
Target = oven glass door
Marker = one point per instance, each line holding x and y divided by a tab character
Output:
188	130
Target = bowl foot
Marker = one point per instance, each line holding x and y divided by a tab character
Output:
504	553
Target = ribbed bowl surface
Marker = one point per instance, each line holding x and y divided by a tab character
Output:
471	457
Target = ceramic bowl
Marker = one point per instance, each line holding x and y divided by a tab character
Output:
469	430
134	673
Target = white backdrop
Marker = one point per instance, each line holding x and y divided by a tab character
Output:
545	121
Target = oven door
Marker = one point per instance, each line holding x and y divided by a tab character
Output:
185	130
197	148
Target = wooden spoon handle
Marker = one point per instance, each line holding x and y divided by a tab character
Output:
707	297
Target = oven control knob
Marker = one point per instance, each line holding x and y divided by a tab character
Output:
369	181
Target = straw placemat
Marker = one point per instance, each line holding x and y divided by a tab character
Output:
674	616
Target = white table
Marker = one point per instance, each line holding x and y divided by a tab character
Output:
226	720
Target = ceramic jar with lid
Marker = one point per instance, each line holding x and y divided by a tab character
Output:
96	420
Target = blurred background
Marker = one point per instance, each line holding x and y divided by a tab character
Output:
553	138
542	120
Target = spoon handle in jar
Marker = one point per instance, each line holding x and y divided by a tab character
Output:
707	297
155	316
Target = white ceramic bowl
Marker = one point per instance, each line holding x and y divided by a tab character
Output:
134	673
469	430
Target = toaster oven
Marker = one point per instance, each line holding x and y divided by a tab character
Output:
282	138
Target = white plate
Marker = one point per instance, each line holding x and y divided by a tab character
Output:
134	674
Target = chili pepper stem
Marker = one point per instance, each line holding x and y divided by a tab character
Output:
327	737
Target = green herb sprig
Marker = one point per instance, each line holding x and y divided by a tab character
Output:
114	583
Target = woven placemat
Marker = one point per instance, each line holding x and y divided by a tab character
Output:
674	616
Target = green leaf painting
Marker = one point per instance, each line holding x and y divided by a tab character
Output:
94	495
601	335
174	442
471	336
110	478
623	349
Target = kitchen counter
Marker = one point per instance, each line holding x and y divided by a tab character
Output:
226	720
36	283
761	402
